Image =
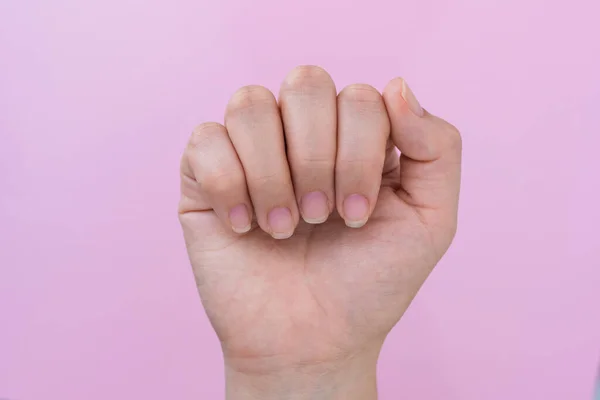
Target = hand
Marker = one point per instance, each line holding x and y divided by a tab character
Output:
308	235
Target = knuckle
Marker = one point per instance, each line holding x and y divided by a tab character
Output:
204	134
360	93
248	98
359	167
266	179
217	182
270	185
306	77
311	162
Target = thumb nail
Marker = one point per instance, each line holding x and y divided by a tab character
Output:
411	100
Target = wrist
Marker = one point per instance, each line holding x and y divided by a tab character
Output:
353	378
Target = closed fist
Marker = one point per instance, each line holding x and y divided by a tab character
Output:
312	219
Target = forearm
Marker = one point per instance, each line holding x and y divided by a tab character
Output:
354	380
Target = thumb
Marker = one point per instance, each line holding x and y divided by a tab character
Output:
430	159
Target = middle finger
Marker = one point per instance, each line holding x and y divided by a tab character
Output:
308	108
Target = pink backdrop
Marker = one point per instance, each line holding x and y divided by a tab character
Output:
97	99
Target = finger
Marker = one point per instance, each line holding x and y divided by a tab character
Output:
363	129
308	106
213	178
431	153
254	125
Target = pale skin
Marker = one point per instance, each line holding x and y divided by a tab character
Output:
307	233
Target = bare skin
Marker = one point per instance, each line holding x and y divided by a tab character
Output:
339	236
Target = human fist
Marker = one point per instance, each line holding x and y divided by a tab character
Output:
308	233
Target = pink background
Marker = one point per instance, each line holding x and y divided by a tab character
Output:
97	99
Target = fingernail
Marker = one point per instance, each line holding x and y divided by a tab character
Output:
314	207
356	210
281	223
239	218
411	100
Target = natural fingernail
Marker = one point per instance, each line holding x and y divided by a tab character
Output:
411	100
356	210
239	218
281	223
314	207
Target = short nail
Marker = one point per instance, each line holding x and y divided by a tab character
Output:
314	207
411	100
356	210
281	223
239	218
